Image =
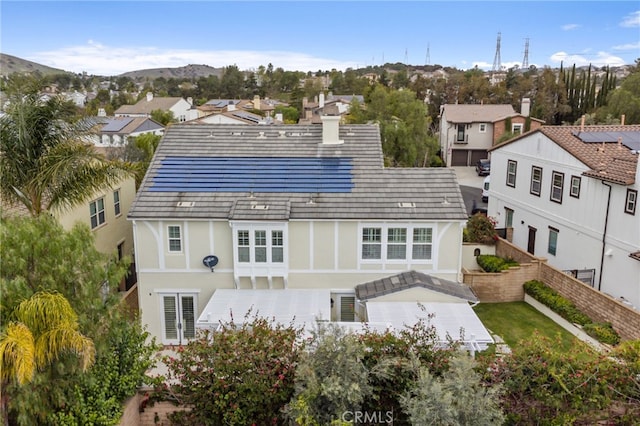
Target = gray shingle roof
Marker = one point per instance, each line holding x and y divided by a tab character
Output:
376	194
413	279
472	113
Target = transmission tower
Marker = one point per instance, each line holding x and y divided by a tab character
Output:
497	63
525	61
428	58
406	56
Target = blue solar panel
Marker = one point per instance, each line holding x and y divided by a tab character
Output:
115	125
630	139
254	174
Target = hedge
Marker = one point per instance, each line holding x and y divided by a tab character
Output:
492	263
567	310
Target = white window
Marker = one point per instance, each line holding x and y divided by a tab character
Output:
178	317
536	180
174	234
260	245
631	201
574	191
512	167
557	185
116	202
508	217
96	210
516	128
396	243
483	127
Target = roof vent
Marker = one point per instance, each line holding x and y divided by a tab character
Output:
261	135
259	207
186	204
406	205
282	134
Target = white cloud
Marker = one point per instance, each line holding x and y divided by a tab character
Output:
627	46
599	59
631	20
96	58
569	27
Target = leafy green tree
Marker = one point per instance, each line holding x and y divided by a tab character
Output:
241	374
139	151
38	255
46	160
626	99
163	117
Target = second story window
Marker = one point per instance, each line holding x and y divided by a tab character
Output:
397	243
557	185
96	210
574	191
371	243
516	128
631	201
460	137
536	180
116	202
260	245
483	127
175	238
512	167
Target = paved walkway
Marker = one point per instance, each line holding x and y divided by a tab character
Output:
467	176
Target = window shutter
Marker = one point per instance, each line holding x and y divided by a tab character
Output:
188	317
347	308
170	317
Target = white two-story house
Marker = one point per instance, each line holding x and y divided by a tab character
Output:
468	131
570	193
183	110
292	218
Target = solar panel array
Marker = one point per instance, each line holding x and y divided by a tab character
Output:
254	174
247	116
629	139
115	125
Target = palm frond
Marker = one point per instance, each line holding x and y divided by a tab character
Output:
63	339
44	311
17	353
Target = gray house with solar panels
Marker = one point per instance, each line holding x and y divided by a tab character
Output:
115	131
288	220
570	193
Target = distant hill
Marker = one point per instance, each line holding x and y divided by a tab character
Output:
11	64
188	71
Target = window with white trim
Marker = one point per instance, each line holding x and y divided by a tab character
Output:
395	243
174	238
536	180
512	167
516	128
483	127
260	245
631	201
574	190
508	217
557	185
96	210
116	202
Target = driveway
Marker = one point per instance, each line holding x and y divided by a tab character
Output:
471	187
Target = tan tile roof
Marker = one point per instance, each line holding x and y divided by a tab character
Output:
471	113
145	107
608	161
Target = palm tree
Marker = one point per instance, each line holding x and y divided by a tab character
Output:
43	327
46	160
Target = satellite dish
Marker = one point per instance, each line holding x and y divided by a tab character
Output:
210	261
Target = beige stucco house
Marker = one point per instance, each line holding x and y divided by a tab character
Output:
294	217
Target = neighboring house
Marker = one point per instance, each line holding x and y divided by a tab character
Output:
182	110
231	115
332	105
79	99
570	193
468	131
115	131
285	209
220	106
105	213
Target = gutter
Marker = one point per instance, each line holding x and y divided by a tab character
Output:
604	235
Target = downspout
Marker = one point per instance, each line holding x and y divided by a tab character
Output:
604	234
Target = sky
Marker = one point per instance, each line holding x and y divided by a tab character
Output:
113	37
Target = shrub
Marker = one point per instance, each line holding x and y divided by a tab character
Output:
239	375
603	331
544	294
492	263
480	229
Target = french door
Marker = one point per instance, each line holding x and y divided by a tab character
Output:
178	318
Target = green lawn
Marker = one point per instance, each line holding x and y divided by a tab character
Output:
516	321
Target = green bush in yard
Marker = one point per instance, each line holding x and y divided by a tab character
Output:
544	294
492	263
